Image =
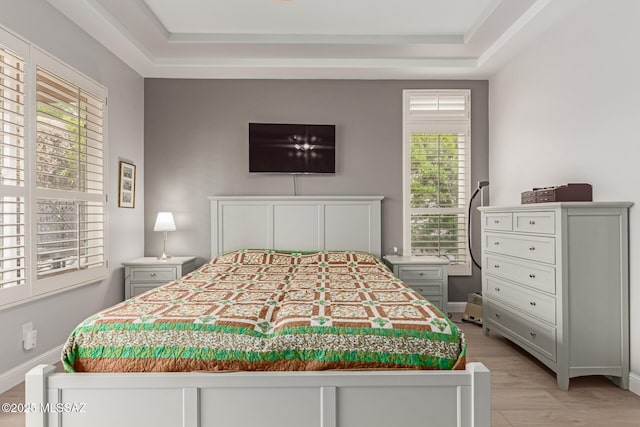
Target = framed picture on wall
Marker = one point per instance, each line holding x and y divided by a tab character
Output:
127	187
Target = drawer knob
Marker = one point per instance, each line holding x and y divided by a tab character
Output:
153	274
497	315
533	334
532	222
497	289
532	303
421	273
495	221
531	275
496	243
532	248
496	266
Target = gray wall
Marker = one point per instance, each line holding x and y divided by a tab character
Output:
54	317
196	146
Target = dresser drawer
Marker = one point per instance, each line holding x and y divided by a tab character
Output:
533	303
153	274
534	222
537	276
528	247
498	221
541	338
417	273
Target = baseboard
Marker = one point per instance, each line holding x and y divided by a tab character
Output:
457	307
634	383
15	376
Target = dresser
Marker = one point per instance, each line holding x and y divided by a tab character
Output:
143	274
555	281
428	275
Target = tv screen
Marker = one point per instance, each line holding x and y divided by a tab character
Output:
292	148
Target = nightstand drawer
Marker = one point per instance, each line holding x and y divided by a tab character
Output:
140	289
146	273
426	289
437	301
427	275
417	273
153	274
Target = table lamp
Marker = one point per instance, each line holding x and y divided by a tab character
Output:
164	222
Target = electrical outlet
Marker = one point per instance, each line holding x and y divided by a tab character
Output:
26	328
393	251
29	336
31	339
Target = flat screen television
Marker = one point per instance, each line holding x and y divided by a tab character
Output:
292	148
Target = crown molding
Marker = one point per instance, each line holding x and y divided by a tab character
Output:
440	55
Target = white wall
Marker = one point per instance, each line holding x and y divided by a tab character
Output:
567	110
54	317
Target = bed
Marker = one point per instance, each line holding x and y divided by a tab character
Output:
341	333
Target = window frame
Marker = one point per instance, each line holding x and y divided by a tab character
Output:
35	287
435	124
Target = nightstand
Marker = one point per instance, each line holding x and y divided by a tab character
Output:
428	275
142	274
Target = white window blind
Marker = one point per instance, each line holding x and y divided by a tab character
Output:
69	159
53	214
437	106
436	175
13	246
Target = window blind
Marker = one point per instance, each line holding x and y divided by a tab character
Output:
69	158
70	235
53	215
437	165
13	262
69	136
437	106
438	195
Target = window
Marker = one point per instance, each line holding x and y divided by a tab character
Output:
52	174
436	171
13	267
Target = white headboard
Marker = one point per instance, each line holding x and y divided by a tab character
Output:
296	223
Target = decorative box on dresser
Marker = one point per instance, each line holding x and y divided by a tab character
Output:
143	274
555	281
428	275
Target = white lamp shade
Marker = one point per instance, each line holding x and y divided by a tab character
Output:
164	222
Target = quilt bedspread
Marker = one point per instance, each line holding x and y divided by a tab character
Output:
271	310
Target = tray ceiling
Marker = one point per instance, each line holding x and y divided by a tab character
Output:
353	39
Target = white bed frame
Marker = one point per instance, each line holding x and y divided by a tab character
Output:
296	223
283	399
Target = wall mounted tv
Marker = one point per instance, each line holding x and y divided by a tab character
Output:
292	148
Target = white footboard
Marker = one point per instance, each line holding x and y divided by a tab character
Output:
287	399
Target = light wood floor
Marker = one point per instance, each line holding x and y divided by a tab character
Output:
523	391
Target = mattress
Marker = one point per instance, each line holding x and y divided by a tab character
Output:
265	310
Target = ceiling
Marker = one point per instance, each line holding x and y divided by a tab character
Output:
346	39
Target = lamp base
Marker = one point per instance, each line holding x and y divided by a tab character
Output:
164	255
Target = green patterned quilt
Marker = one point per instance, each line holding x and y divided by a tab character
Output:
268	310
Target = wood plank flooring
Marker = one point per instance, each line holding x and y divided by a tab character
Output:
523	391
